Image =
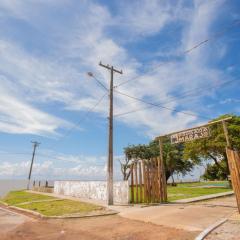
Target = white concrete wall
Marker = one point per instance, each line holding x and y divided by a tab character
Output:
96	190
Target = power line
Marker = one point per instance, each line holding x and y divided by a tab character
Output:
182	96
215	36
160	106
87	113
80	121
90	74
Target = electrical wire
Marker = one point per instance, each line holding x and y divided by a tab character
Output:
182	96
215	36
160	106
80	121
98	81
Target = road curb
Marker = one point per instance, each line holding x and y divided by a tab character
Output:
208	230
58	217
204	198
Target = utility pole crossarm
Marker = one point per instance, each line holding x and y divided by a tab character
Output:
110	68
110	135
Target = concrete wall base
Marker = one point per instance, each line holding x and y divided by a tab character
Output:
96	190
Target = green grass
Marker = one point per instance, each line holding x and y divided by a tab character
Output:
17	197
62	207
191	190
48	206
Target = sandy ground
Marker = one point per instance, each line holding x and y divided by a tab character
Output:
109	227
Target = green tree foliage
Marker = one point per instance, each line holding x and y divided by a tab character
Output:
173	156
213	172
213	148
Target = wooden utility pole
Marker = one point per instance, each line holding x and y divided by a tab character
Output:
35	145
225	129
110	135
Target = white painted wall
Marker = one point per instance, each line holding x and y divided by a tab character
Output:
96	190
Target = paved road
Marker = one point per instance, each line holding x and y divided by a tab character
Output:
190	217
10	220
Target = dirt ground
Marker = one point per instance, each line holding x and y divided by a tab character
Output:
108	227
156	225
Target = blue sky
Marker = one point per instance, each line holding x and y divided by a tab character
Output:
48	46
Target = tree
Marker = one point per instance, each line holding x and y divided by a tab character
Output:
173	156
125	168
213	148
213	172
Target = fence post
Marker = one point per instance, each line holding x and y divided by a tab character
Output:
132	184
144	181
148	183
140	182
136	180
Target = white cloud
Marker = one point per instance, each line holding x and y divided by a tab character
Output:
229	100
16	116
61	76
60	166
143	18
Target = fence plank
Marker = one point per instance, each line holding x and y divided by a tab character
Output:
149	182
152	181
144	181
156	180
159	180
140	182
136	180
132	184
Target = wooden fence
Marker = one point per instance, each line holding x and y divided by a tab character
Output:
234	167
148	181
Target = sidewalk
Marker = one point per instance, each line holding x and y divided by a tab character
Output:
10	220
190	217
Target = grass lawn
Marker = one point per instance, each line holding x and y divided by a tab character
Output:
18	197
48	206
190	190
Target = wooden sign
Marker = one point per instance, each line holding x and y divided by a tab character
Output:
190	135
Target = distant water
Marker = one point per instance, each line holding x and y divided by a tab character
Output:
16	184
8	185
